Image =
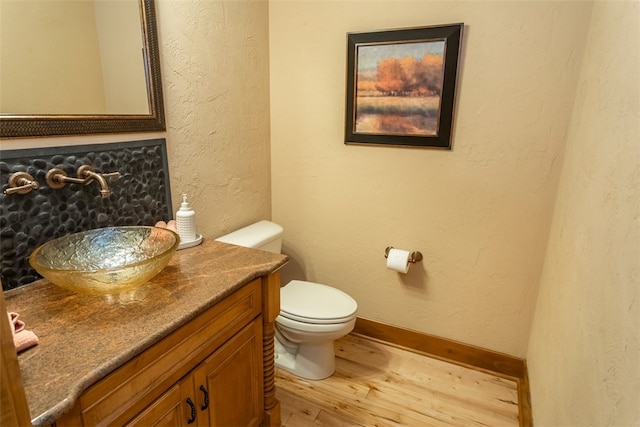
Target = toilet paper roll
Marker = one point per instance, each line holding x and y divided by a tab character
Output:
398	260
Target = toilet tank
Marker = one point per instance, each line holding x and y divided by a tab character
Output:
265	235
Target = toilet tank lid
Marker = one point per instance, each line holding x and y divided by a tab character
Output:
254	235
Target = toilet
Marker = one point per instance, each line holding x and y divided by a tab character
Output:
312	315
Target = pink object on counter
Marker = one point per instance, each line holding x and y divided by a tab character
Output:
171	225
22	339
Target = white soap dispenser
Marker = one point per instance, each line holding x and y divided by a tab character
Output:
186	221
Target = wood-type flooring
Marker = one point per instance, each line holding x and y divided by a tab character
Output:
378	384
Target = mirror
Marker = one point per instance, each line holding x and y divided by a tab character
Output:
70	67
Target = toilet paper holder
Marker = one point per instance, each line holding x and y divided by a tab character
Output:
414	257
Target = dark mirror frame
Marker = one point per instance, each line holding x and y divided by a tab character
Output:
24	126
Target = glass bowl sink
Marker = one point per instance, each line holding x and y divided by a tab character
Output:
105	260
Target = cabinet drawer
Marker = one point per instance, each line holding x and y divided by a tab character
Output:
126	391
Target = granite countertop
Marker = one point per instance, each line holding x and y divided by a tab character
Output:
83	338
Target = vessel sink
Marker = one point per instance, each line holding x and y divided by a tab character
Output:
106	260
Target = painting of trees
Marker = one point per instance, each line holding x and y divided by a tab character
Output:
399	89
401	86
409	76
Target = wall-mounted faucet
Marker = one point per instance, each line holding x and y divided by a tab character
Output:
21	183
57	178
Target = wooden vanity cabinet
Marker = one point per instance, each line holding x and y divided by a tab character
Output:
220	364
221	391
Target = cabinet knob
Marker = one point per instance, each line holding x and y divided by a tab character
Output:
206	398
193	411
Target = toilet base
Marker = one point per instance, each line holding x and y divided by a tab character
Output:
312	361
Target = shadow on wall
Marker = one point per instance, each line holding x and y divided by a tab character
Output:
416	278
295	268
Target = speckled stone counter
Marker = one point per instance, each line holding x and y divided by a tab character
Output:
84	338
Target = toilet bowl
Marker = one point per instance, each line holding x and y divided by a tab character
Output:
312	315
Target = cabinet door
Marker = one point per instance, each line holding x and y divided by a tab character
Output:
229	382
170	409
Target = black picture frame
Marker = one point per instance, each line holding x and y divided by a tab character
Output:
401	86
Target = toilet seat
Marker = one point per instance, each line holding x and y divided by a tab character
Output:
315	303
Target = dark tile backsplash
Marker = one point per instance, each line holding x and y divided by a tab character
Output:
141	196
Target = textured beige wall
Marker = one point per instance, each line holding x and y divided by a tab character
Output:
216	91
479	213
584	351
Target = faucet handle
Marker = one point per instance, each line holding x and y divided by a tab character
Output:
85	172
111	175
21	183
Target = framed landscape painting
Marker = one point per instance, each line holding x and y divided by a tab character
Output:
401	86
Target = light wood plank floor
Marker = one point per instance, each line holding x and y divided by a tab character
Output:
378	384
